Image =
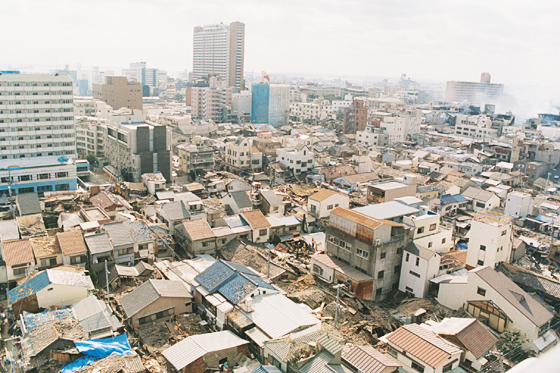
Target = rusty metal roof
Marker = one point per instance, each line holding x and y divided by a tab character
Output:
423	344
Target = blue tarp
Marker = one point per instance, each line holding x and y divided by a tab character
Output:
97	349
462	246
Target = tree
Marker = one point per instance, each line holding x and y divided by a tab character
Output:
511	340
92	159
179	97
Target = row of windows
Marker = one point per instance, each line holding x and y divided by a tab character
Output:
35	119
35	84
34	155
37	128
45	176
46	93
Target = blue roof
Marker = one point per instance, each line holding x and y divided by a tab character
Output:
29	287
241	285
33	320
267	369
215	275
455	198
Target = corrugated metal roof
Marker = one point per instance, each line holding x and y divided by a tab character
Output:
367	359
320	364
267	369
423	344
191	348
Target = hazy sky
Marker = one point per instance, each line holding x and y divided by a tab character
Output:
516	41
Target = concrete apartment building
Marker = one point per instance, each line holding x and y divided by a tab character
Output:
241	154
37	133
270	103
490	239
474	92
478	127
355	117
135	146
371	136
119	93
388	191
193	157
372	246
298	160
89	136
220	49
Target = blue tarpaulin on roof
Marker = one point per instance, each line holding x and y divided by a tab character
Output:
97	349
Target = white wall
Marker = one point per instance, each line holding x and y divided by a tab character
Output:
519	204
61	295
334	201
498	244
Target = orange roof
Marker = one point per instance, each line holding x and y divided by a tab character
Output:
256	219
18	252
44	246
362	219
423	344
198	229
71	242
322	195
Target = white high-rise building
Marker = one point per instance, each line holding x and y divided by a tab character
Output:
220	49
37	134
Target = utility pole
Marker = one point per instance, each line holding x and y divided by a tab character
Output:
268	263
337	287
107	281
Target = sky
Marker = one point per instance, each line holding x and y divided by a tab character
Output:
429	40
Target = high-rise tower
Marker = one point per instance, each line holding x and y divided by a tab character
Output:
220	49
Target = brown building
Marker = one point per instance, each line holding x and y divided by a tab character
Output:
355	117
118	93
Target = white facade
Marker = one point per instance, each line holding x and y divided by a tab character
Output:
89	136
241	103
298	160
36	132
311	110
239	154
61	295
371	136
490	241
338	105
519	204
399	127
322	209
478	127
417	270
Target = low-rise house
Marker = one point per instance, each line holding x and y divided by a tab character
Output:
204	352
47	252
367	359
130	240
97	318
173	213
19	259
324	201
334	172
100	248
260	227
450	203
519	204
271	203
470	335
156	300
490	239
31	226
49	288
481	199
498	302
422	350
154	182
110	203
283	225
297	160
354	182
238	202
28	204
388	191
73	248
197	237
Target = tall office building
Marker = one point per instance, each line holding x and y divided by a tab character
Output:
37	135
474	92
220	49
270	103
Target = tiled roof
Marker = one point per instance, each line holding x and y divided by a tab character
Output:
240	285
71	242
517	297
530	280
198	229
477	339
44	247
28	204
367	359
255	219
98	243
214	276
267	369
477	194
194	347
448	199
175	211
423	344
241	199
322	195
149	292
18	252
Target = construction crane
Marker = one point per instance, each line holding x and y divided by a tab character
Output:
265	77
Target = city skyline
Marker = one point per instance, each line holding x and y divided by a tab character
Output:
435	41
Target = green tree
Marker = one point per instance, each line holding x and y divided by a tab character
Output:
179	97
92	159
511	340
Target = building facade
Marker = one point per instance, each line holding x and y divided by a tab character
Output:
119	93
37	133
270	103
355	117
220	49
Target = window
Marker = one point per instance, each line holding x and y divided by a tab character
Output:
420	230
417	367
362	253
443	240
482	248
433	227
25	178
262	232
379	291
407	256
397	269
380	274
62	187
329	207
383	255
417	261
142	246
129	250
429	244
409	289
317	269
480	262
78	259
391	351
44	176
48	262
481	291
504	233
414	274
61	174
